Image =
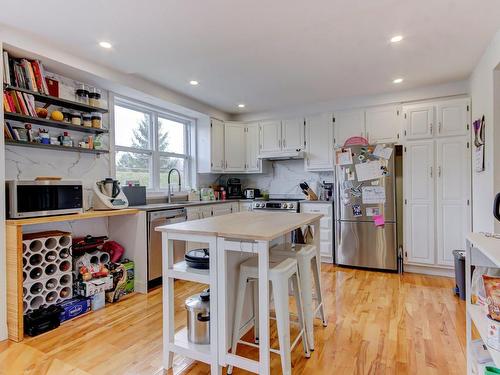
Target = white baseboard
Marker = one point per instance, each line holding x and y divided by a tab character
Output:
428	270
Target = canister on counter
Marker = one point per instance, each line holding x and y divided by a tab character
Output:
82	94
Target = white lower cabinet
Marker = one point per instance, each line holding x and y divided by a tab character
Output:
245	206
437	199
325	227
221	209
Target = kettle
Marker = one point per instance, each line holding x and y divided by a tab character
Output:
198	318
496	207
109	187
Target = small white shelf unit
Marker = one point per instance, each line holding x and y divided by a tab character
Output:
481	251
178	342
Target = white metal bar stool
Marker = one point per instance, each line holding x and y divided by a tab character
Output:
308	265
280	273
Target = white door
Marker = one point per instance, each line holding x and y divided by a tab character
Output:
319	142
253	163
453	117
453	194
419	177
234	146
221	209
419	121
348	124
383	124
292	134
270	137
217	145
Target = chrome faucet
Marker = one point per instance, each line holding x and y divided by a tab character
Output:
168	183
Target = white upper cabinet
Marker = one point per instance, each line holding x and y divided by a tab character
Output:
234	147
319	142
453	194
418	178
419	121
253	163
270	137
217	145
348	124
383	124
292	134
453	117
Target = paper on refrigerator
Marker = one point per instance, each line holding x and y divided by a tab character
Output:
373	194
383	152
369	170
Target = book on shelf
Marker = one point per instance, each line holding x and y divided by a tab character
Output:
24	73
10	130
19	102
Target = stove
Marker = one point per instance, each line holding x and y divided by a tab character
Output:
285	204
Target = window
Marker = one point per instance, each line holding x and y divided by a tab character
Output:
148	144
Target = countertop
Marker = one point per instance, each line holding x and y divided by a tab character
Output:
317	201
167	206
257	226
489	246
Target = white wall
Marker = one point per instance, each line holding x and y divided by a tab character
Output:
3	279
486	184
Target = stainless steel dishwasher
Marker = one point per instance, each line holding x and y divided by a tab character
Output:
156	219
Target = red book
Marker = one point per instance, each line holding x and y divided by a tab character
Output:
38	75
13	101
22	104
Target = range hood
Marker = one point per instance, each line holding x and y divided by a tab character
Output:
285	155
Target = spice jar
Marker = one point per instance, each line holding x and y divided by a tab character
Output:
76	118
82	94
95	97
87	120
96	120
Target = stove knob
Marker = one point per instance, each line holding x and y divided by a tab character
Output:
291	205
284	205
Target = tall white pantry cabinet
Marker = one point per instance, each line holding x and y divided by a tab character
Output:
436	175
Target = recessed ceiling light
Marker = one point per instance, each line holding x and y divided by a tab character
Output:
106	45
396	38
398	80
241	105
194	83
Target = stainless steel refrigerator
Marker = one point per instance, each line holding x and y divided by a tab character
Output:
359	241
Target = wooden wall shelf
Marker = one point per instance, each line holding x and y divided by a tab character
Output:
9	142
51	123
47	99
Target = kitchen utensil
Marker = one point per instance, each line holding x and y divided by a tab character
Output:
309	193
198	258
251	193
109	196
198	318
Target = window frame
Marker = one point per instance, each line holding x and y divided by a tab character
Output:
154	150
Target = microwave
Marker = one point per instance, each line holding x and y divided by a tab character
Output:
27	198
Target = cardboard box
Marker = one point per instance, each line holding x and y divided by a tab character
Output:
73	307
98	301
123	281
94	286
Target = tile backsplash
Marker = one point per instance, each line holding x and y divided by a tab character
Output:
279	178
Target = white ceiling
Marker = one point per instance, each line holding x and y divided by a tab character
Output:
270	54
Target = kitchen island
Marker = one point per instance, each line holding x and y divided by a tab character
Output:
230	239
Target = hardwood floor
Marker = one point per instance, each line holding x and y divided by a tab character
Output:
378	324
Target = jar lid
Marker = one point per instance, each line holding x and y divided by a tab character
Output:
96	114
82	92
197	302
86	115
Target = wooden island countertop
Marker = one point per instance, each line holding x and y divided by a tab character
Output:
257	226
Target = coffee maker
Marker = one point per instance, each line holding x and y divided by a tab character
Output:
233	188
326	191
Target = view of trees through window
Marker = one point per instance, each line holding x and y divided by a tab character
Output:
145	154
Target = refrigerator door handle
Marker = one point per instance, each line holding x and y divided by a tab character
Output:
338	231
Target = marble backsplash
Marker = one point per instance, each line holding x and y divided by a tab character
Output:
279	178
27	163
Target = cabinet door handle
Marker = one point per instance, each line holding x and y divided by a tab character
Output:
430	128
284	143
439	171
431	172
279	143
439	127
